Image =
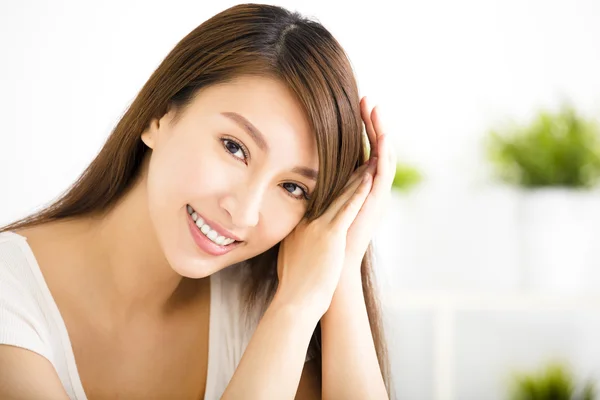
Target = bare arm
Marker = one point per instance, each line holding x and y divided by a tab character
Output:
272	363
350	365
27	375
310	382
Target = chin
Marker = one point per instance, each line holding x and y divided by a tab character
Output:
195	269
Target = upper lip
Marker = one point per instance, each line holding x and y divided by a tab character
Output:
219	229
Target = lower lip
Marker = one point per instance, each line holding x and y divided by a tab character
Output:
205	244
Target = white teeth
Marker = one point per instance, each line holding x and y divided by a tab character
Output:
212	235
207	230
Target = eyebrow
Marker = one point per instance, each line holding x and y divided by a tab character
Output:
262	143
248	127
307	172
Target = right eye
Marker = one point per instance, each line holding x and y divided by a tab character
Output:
235	148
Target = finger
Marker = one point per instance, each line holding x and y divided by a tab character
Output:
351	208
355	178
379	197
382	129
349	189
371	134
386	164
358	173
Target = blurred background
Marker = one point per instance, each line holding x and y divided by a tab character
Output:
489	258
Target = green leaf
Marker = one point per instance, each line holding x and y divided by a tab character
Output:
406	177
555	149
554	382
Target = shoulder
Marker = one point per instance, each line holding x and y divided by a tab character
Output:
23	322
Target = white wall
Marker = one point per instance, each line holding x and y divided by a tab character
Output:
445	72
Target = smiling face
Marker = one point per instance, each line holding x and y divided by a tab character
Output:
238	164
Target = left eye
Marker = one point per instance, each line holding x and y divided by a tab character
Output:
234	149
295	190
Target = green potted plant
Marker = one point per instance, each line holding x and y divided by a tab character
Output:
554	382
406	178
554	160
560	149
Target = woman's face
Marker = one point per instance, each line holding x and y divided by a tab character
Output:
242	159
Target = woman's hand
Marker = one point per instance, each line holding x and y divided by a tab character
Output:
311	257
383	156
351	367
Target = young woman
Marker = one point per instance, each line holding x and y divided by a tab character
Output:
218	245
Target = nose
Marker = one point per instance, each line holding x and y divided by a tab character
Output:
243	205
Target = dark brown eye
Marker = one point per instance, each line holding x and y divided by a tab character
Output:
232	147
235	149
296	191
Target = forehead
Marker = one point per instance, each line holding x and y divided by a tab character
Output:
270	106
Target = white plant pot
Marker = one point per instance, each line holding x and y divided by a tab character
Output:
395	243
461	239
559	233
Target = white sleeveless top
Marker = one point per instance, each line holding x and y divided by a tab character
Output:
29	318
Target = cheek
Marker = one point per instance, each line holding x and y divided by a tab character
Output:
181	173
278	222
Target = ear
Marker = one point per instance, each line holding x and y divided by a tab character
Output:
149	135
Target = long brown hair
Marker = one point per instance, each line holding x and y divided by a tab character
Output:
247	39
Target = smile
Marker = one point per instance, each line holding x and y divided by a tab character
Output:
215	240
207	230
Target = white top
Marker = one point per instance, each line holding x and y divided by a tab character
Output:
29	318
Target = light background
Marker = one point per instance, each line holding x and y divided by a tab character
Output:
460	312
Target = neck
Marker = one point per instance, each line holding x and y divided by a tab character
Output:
130	269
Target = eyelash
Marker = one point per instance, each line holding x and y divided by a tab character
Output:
243	148
305	195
